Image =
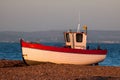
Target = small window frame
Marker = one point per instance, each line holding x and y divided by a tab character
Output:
67	37
79	37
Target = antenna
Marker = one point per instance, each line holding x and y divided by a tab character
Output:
78	29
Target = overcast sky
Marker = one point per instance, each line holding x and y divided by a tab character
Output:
39	15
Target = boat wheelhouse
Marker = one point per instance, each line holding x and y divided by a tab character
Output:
75	40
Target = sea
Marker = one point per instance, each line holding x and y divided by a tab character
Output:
12	51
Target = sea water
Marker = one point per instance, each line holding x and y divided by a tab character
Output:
12	51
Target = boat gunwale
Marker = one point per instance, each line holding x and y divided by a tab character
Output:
61	49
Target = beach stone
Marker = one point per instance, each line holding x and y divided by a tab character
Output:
17	70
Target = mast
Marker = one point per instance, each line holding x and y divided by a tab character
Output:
78	29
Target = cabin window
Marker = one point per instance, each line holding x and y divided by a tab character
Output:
67	37
79	37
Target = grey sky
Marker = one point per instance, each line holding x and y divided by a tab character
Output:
38	15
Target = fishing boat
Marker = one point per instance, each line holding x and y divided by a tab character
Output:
75	51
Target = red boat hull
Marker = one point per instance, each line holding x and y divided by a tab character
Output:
41	53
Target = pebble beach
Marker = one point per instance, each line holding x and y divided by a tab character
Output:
17	70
